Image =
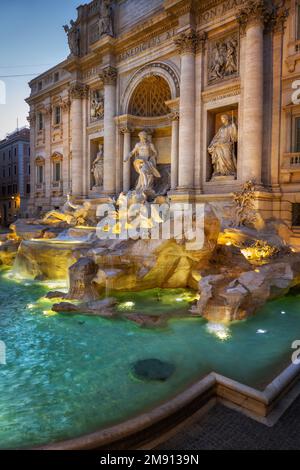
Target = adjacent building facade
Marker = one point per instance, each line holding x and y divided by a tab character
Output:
14	175
210	81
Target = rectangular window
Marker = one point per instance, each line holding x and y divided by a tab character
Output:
40	86
40	122
3	190
56	76
15	151
57	171
3	172
297	134
298	22
57	115
296	214
3	156
27	188
15	169
40	174
9	171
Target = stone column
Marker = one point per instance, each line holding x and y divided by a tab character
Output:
186	42
126	165
251	19
77	92
32	122
109	78
174	150
66	106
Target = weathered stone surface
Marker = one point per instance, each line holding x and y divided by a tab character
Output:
224	297
55	295
26	231
101	308
144	264
153	369
46	259
81	276
8	252
148	321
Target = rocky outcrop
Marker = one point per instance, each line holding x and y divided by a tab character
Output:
81	278
225	297
45	259
101	308
8	252
144	264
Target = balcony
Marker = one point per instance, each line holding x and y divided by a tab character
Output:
40	190
57	188
290	168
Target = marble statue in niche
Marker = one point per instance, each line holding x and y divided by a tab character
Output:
97	105
97	167
73	33
106	18
222	149
144	163
223	61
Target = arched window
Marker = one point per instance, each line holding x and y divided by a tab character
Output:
148	99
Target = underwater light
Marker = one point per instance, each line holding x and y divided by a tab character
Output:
179	299
283	312
219	330
126	305
30	306
261	332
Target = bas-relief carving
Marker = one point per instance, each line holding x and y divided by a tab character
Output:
97	105
222	150
223	58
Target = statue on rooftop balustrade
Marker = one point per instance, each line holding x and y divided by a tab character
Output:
106	18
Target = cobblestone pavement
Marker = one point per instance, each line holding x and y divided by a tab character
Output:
223	428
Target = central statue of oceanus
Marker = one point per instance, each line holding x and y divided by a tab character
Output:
222	149
144	163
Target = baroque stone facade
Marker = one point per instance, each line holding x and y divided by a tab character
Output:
211	82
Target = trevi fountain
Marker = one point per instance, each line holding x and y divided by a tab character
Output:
108	334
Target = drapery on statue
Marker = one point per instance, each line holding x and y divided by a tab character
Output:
144	164
97	167
72	214
222	149
106	18
73	33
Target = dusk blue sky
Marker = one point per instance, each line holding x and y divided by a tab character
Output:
31	41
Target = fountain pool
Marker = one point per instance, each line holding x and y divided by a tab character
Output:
70	375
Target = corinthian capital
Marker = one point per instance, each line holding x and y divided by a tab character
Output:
254	11
187	42
109	75
78	91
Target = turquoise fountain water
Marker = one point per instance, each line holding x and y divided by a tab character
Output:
70	375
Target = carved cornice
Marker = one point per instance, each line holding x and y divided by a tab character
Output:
254	11
109	75
65	105
31	118
175	116
125	130
201	42
220	94
187	42
278	19
78	91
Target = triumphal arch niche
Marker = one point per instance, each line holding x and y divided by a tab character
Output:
151	104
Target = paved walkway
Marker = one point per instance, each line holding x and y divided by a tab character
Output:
223	428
